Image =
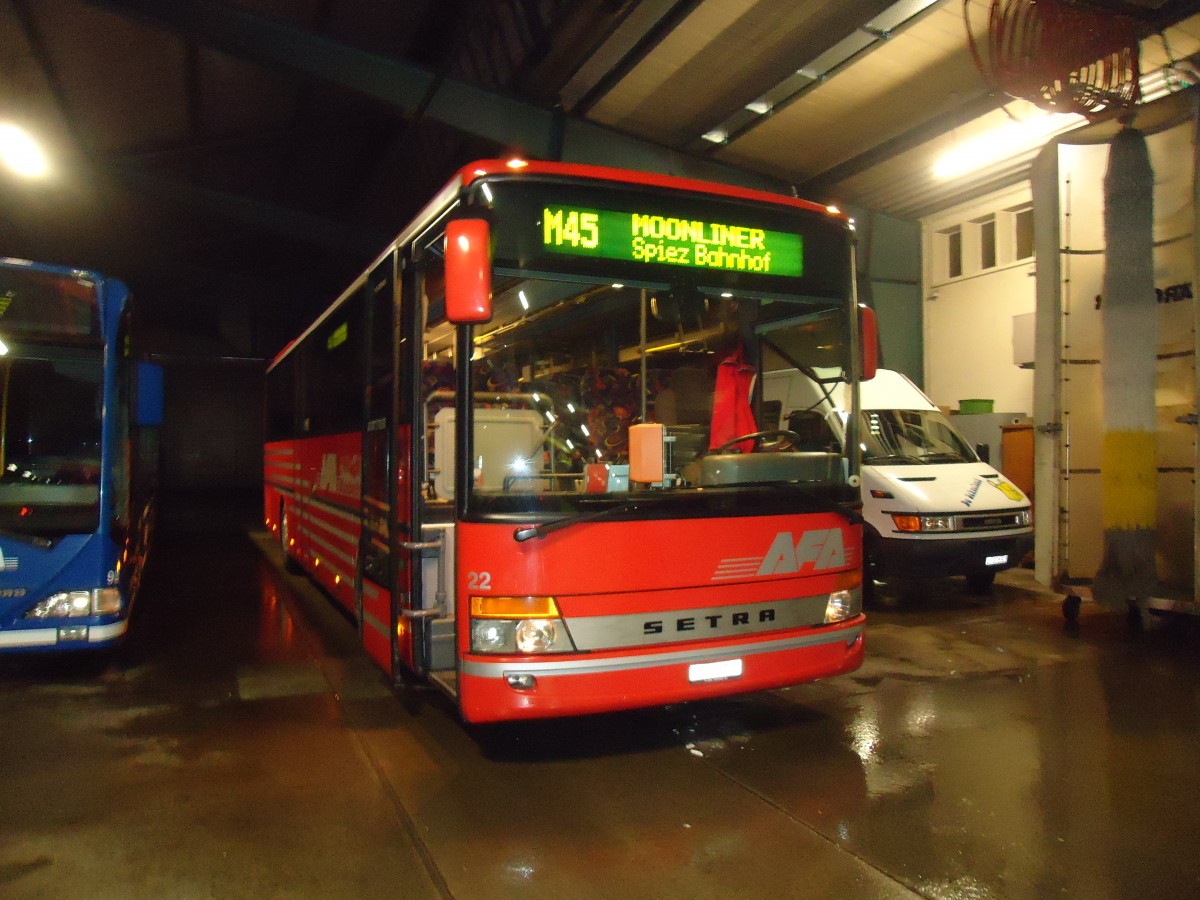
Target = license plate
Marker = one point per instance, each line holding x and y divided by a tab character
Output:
996	560
715	671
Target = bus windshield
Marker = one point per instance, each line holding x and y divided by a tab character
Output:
566	366
612	307
50	440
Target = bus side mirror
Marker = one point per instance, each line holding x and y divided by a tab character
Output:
468	271
148	394
868	334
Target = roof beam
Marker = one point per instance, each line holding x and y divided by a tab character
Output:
512	123
928	130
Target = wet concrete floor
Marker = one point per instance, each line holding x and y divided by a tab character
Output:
241	746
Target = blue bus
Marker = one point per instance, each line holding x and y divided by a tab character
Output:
79	424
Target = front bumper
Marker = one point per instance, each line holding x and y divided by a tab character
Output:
606	682
928	558
71	635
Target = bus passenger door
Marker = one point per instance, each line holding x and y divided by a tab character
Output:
381	571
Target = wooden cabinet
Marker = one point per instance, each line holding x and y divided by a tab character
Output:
1017	456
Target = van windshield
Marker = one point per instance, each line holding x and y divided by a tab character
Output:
911	437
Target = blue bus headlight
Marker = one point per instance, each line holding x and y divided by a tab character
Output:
76	604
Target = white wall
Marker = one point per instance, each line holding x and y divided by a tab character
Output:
969	318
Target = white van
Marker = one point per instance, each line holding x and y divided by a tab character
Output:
931	506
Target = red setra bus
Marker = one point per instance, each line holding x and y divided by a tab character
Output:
528	450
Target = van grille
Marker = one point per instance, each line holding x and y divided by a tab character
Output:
988	521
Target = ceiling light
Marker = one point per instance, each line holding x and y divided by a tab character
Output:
716	136
1009	140
759	107
21	152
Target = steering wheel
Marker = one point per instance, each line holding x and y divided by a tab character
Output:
789	439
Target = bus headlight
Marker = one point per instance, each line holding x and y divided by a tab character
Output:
518	625
76	604
490	636
843	605
536	635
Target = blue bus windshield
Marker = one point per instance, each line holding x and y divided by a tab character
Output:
50	443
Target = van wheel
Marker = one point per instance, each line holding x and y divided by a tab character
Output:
871	570
980	581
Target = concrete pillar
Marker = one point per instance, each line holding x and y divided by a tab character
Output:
1129	467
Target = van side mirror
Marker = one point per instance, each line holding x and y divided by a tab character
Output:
984	452
468	271
868	335
148	394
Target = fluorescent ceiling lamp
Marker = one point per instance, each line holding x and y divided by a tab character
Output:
21	153
1009	140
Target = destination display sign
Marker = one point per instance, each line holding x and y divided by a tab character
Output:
655	238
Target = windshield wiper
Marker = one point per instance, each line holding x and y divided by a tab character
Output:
892	459
36	540
538	531
945	457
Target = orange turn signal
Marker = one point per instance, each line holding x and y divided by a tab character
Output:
514	608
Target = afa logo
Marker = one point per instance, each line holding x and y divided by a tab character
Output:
816	550
822	547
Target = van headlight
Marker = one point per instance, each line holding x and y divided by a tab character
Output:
526	625
913	523
77	604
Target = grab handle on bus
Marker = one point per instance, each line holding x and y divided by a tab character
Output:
468	271
439	606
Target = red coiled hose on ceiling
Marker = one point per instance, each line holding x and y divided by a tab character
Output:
1059	56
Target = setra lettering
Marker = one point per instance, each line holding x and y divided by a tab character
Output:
714	622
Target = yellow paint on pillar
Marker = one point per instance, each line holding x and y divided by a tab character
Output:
1130	480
